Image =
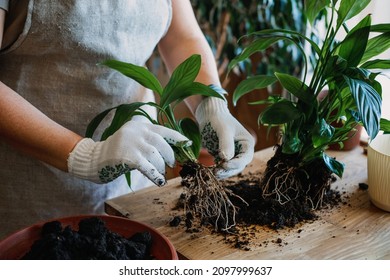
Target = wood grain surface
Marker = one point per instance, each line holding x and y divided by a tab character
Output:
354	230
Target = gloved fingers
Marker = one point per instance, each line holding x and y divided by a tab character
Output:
154	156
151	172
226	145
158	147
210	139
244	154
244	150
222	173
231	167
171	136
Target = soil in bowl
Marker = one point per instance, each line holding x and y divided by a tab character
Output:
92	240
16	245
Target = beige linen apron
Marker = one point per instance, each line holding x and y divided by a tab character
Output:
53	64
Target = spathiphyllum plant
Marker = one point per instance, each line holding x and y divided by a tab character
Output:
342	88
205	199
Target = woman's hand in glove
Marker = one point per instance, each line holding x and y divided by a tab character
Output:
224	137
136	145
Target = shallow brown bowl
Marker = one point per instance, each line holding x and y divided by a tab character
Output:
16	245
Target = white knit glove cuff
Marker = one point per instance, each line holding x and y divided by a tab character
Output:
209	107
81	161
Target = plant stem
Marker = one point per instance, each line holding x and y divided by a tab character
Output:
324	54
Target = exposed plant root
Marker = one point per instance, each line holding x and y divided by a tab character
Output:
205	199
281	196
285	180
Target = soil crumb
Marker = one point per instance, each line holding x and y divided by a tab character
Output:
256	213
270	212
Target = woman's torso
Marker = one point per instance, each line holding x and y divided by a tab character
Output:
53	64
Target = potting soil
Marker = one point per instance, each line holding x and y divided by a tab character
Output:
93	241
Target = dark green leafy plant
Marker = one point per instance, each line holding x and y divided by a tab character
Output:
342	88
205	200
223	22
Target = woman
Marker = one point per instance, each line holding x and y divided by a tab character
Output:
51	89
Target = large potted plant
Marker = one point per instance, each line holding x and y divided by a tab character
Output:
347	68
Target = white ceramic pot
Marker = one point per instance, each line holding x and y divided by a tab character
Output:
378	169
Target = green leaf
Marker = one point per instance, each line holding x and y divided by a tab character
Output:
383	27
352	48
368	102
358	73
335	66
377	64
295	37
191	130
313	8
350	8
269	37
269	100
138	73
355	115
280	113
322	134
296	87
182	77
250	84
291	143
123	114
180	93
128	178
333	165
94	124
255	46
343	100
377	46
385	125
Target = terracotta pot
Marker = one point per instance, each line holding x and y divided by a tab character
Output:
352	142
19	243
354	136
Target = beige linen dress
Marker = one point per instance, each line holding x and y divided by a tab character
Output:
53	65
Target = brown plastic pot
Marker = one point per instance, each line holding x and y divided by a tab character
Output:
352	142
16	245
354	136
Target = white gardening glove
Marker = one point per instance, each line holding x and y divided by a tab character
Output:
224	137
136	145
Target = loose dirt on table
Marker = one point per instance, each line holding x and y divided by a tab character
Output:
254	206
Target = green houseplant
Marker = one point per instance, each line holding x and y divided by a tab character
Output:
223	22
347	69
205	199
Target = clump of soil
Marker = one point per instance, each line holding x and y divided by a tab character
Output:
268	211
93	241
283	196
286	180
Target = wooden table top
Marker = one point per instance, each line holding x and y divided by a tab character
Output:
354	230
